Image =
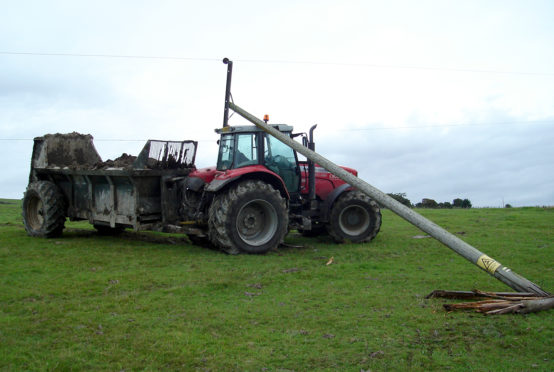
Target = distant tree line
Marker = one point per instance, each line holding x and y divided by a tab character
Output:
430	203
401	198
456	203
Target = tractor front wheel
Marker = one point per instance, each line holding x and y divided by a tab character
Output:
43	210
250	217
354	217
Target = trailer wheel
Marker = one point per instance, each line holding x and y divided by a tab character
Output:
43	210
251	217
354	217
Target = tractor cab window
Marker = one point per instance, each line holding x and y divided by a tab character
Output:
237	150
226	150
281	159
247	150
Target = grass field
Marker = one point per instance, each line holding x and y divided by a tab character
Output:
155	302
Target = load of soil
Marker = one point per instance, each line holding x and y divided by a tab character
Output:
124	161
76	151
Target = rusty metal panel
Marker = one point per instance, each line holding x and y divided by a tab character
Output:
101	198
149	198
79	207
125	196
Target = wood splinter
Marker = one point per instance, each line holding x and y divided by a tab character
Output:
495	303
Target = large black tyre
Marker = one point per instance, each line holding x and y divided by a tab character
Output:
354	217
43	210
250	217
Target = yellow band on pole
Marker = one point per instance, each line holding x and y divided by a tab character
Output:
488	264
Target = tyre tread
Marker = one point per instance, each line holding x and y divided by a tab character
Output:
219	213
53	208
343	201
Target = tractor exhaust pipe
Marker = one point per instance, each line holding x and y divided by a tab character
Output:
470	253
229	64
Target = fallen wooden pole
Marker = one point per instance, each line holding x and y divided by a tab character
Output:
467	251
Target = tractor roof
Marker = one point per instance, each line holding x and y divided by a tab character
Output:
252	128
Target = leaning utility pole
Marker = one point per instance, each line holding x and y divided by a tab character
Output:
467	251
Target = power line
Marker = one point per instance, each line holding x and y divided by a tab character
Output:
108	56
404	67
454	125
275	61
446	125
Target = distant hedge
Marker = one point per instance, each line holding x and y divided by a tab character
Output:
430	203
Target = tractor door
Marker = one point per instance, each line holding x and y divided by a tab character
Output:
281	159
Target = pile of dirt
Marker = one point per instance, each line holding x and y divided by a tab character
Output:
68	136
124	161
76	151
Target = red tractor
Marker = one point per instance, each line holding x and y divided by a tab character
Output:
259	190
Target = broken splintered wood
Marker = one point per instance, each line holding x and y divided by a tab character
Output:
496	307
496	302
480	294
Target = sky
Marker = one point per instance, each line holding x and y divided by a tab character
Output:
435	99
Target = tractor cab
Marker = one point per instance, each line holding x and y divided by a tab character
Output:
244	146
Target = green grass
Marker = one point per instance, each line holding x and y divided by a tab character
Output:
154	302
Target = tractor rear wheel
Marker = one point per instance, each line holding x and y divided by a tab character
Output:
43	210
354	217
250	217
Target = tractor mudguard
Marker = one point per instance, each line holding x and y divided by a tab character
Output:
333	195
217	185
194	183
250	172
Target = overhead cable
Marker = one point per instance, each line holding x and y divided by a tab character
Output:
277	61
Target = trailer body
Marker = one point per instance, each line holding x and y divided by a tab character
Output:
139	192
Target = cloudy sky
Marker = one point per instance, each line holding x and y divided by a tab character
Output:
437	99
